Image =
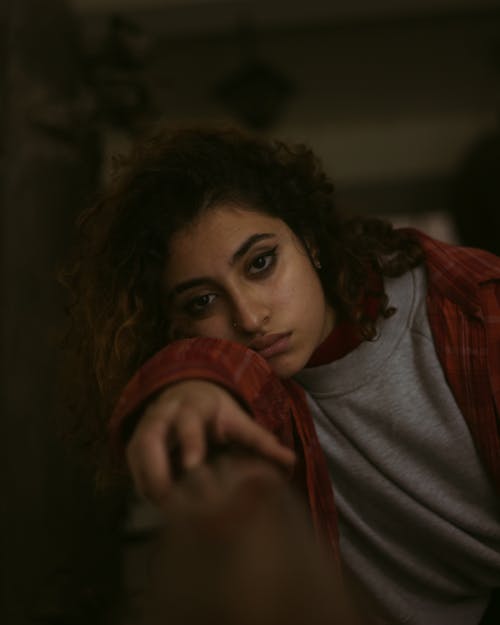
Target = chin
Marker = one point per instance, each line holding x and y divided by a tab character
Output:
286	367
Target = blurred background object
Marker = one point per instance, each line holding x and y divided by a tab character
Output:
390	94
116	74
475	202
400	98
237	547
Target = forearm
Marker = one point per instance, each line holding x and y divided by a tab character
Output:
234	367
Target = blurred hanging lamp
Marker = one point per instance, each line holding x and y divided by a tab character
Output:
255	93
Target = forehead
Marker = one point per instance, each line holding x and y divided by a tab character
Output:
222	226
214	237
228	217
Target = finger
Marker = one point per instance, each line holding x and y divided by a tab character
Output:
203	484
149	462
191	437
254	436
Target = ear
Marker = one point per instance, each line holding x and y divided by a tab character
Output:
313	251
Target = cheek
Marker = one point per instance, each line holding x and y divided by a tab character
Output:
178	328
214	327
300	290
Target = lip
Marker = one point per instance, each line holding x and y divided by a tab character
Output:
271	344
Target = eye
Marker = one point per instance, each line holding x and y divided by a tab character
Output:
262	262
199	305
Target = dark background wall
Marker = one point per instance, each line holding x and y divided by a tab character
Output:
56	544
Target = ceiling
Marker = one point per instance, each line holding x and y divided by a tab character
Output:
331	7
208	15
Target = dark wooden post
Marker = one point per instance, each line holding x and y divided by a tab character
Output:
53	529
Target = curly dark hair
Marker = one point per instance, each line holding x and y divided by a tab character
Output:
117	307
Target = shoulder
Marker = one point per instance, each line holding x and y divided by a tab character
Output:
457	273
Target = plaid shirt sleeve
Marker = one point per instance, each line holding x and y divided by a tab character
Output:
277	405
463	304
239	370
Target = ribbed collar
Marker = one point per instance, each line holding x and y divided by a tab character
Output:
346	336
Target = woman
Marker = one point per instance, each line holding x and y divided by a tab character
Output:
218	266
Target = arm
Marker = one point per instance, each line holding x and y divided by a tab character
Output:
277	407
194	392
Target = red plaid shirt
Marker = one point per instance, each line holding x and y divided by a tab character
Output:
463	303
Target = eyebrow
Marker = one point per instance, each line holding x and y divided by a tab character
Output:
241	251
246	245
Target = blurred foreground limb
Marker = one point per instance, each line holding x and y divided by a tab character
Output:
237	547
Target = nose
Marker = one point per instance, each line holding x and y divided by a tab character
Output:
250	312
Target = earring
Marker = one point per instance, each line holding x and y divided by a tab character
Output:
234	324
317	263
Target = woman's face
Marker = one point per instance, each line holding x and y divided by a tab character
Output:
244	276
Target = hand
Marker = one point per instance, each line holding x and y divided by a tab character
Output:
239	539
187	416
